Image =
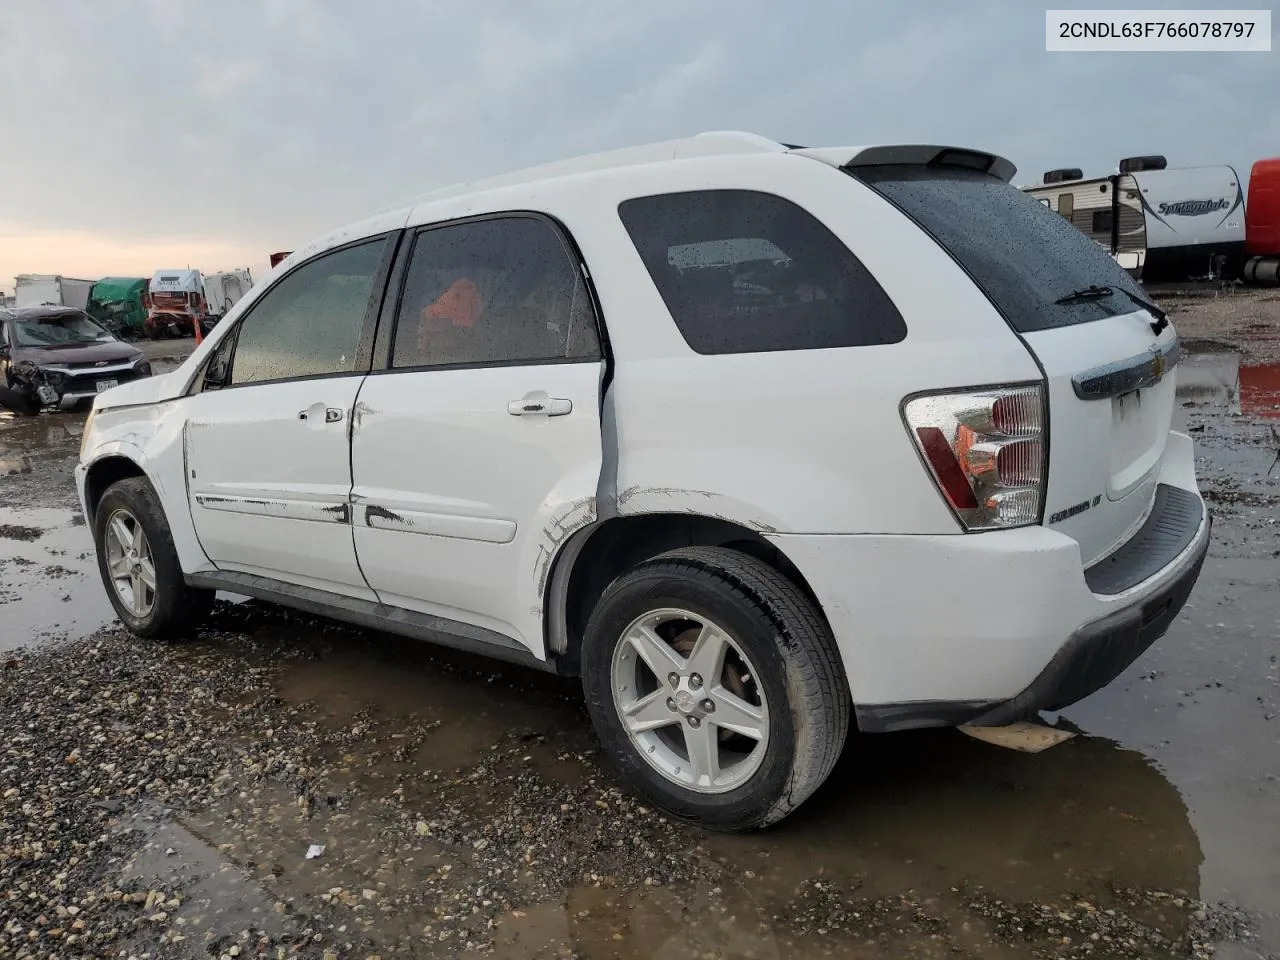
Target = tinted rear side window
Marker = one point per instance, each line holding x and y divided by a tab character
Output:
503	290
748	272
1022	255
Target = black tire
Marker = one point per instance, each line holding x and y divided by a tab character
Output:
797	666
177	608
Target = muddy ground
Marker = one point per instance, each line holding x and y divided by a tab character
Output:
162	800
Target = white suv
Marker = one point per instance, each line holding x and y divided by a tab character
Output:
748	436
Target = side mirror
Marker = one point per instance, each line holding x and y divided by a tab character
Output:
215	375
217	372
4	351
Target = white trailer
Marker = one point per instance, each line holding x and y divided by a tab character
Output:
223	290
1163	225
45	289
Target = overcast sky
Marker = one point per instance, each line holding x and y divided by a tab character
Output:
140	134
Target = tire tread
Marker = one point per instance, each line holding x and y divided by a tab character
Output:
178	606
816	681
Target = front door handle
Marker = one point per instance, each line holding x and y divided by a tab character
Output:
319	410
537	403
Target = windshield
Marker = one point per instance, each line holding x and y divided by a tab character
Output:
58	330
1022	255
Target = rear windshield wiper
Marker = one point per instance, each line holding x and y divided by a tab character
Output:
1088	293
1096	292
1162	318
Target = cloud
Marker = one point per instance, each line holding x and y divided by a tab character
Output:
252	126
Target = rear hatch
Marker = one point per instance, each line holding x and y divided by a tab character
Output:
1106	358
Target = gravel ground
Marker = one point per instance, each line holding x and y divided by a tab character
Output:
159	801
1246	319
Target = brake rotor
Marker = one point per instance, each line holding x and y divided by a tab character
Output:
732	678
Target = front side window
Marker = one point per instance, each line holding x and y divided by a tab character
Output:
743	272
309	324
503	290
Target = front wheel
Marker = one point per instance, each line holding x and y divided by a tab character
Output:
139	564
715	686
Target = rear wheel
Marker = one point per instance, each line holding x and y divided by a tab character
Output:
715	686
139	564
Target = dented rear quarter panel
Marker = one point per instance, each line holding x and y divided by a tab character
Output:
802	441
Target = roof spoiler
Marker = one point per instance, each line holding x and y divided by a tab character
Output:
934	155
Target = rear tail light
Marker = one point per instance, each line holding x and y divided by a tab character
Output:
986	452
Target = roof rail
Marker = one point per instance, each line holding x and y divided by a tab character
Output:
709	143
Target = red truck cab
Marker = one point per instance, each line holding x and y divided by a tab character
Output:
1262	213
175	304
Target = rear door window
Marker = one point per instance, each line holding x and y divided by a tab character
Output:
743	271
504	290
1022	256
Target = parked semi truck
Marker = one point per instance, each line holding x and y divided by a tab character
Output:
1262	223
223	290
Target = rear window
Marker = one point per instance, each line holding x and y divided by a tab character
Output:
1022	255
748	272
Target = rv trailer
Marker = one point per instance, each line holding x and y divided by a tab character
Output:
1162	225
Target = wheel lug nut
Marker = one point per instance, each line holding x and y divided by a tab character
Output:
695	681
671	704
709	706
673	679
695	722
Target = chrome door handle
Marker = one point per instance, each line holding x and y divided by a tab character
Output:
332	415
537	403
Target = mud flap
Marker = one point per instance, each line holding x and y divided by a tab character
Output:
1022	736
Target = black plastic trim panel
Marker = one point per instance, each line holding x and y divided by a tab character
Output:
1168	531
376	616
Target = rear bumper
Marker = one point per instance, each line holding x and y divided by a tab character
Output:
990	628
1100	651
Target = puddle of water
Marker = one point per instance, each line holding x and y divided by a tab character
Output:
933	816
215	893
1218	377
49	582
462	715
1204	704
1210	377
1260	391
48	436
